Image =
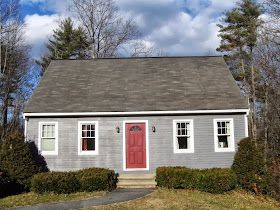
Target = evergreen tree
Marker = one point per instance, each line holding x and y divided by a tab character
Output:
67	42
19	160
238	39
250	168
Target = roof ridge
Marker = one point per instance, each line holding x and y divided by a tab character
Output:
155	57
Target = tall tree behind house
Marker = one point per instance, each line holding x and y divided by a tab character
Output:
14	63
66	42
106	30
238	38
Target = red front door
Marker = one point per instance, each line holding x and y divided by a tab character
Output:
135	145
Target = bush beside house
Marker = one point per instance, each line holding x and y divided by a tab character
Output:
18	163
251	168
91	179
214	180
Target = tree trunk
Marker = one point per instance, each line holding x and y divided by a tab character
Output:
253	98
266	122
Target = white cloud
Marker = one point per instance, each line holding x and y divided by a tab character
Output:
178	27
38	29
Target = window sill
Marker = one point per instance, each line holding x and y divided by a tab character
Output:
49	153
88	153
224	150
182	151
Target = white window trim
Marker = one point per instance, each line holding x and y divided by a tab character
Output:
231	147
80	152
175	142
55	152
147	146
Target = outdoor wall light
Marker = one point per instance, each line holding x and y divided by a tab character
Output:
118	129
153	128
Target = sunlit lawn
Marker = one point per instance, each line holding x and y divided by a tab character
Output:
33	198
188	199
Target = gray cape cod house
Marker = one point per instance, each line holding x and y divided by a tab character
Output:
136	114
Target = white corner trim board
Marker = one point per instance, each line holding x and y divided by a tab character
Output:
218	111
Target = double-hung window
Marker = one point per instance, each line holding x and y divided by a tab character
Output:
224	135
183	137
88	138
48	138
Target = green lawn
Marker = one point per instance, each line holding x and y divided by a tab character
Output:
33	198
159	199
188	199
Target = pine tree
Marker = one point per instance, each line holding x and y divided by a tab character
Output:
238	39
67	42
19	160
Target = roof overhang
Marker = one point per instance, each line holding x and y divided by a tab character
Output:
138	113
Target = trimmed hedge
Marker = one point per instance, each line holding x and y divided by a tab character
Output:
91	179
216	180
94	179
57	182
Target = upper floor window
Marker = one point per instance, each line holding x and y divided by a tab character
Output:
183	139
223	135
88	138
48	138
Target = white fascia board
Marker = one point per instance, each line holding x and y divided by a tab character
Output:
218	111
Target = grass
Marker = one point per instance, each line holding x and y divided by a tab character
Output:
192	199
34	198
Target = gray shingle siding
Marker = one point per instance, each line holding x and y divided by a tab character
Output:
161	142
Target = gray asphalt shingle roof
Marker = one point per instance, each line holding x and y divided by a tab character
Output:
136	84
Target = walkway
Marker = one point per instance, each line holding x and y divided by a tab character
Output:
116	196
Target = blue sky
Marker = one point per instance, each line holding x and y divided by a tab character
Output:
177	27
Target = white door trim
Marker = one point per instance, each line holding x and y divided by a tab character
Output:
147	145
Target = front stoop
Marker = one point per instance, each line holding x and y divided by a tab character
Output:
136	181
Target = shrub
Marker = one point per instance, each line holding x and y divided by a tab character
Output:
250	167
91	179
94	179
57	182
215	180
18	161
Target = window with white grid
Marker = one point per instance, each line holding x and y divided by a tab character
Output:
88	138
224	135
183	136
48	141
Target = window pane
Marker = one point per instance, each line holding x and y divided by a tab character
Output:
84	133
223	141
183	132
183	142
48	131
179	132
183	125
48	144
228	128
88	144
92	127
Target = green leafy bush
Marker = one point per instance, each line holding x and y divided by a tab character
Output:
57	182
250	167
91	179
94	179
18	161
214	180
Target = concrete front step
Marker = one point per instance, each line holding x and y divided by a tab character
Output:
136	181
